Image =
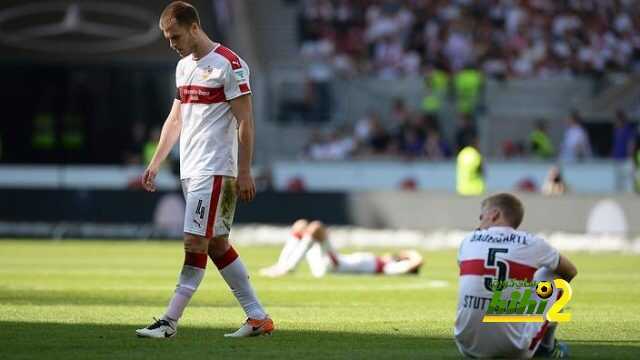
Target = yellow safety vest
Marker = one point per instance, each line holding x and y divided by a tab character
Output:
437	83
467	84
543	146
470	179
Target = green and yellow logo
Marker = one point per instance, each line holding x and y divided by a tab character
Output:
522	307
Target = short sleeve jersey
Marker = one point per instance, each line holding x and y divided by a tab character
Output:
209	135
497	253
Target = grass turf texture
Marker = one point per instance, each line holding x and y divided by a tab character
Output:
72	300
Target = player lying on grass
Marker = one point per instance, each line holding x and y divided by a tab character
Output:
310	240
497	251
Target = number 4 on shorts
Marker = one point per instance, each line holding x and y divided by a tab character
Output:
200	209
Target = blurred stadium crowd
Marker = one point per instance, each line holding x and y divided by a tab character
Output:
413	135
455	46
503	38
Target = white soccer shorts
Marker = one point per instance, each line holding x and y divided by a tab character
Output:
210	205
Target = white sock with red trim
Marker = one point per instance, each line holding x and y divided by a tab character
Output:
235	274
297	253
289	246
318	260
190	278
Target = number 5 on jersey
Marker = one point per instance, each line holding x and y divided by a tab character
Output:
500	266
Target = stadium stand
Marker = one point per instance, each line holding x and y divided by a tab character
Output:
351	95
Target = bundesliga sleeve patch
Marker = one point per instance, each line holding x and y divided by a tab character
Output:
241	75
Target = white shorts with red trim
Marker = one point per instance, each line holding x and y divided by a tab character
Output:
210	205
502	340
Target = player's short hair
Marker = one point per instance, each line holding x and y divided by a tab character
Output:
510	206
180	12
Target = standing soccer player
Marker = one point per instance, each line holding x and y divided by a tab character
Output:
212	116
497	251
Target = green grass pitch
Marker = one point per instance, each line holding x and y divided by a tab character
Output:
83	300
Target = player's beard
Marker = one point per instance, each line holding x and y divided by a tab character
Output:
187	50
184	52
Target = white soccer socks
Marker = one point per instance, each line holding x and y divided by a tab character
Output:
292	253
235	274
289	246
190	278
297	253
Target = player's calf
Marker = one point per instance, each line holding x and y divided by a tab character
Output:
189	280
236	276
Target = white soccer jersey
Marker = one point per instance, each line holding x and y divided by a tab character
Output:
497	253
209	136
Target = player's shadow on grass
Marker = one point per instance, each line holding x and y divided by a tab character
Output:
73	341
124	298
19	340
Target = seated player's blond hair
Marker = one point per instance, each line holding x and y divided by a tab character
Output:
509	206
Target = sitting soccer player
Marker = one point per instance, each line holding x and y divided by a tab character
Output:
310	240
497	251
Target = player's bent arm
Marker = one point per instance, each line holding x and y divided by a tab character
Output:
169	136
242	110
566	269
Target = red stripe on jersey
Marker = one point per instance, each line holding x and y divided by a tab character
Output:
213	206
230	56
230	256
519	271
475	267
201	95
244	88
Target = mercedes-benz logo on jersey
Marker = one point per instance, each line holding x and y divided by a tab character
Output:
78	27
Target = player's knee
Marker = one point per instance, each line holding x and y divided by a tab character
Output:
544	274
195	244
218	246
317	230
299	226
